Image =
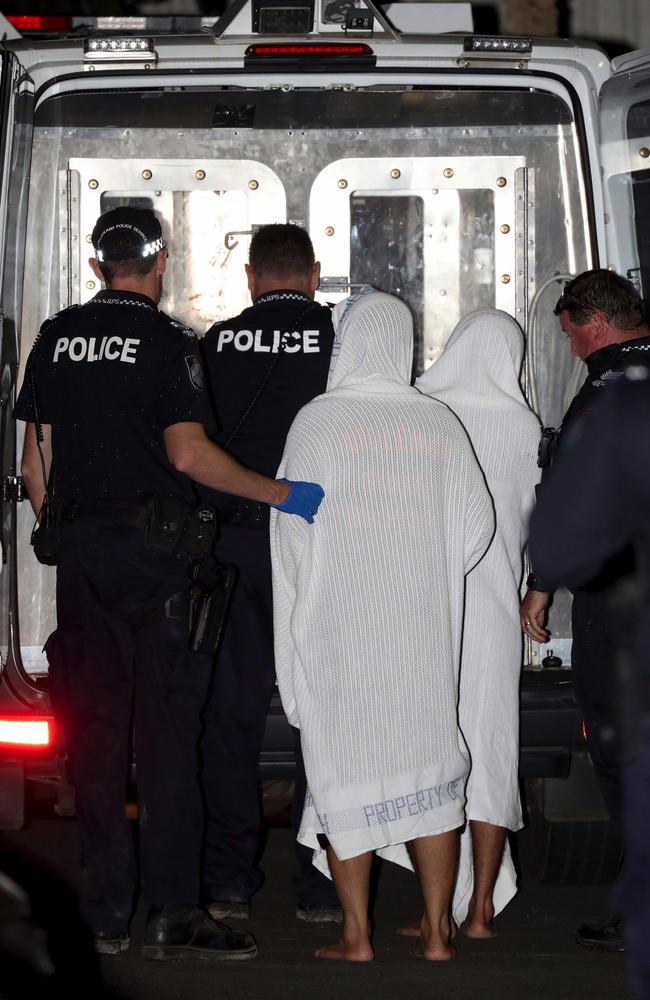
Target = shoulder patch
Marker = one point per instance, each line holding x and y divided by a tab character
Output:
195	371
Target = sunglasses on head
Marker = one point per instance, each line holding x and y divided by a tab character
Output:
577	299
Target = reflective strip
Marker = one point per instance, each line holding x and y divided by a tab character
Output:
148	250
154	247
282	297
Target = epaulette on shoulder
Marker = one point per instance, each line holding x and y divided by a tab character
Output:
51	320
60	313
178	324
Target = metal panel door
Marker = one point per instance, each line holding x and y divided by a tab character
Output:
625	141
16	121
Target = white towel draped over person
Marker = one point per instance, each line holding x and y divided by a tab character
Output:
368	613
477	376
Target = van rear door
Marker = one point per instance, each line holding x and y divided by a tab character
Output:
625	139
16	118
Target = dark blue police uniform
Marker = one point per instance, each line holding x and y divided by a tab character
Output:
596	501
261	368
109	377
594	625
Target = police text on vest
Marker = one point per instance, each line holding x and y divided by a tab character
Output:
268	342
108	348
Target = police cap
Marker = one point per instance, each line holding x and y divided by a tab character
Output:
127	234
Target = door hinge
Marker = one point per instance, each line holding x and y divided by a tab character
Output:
13	489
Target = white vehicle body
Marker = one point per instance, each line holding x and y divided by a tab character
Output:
455	177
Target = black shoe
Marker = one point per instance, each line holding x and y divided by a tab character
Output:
607	936
231	910
110	943
332	914
187	931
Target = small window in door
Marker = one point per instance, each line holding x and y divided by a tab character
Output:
638	130
435	251
205	280
386	251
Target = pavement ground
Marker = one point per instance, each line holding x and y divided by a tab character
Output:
533	956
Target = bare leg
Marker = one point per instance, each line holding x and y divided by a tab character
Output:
488	842
352	880
435	860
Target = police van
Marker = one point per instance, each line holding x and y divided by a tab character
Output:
457	171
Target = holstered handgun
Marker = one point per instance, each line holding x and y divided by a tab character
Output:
212	587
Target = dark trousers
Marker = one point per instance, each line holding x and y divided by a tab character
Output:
235	718
633	891
115	656
596	687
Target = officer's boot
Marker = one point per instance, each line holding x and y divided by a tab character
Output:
175	931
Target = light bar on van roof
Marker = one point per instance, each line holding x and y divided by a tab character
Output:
496	43
120	48
284	51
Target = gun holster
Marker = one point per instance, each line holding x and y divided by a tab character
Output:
212	587
205	604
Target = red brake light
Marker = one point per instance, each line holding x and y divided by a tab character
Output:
25	732
47	22
330	49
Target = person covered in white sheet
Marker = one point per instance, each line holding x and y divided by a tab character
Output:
477	376
368	615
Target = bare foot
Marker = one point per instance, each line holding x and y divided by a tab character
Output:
479	929
434	951
415	929
341	951
479	924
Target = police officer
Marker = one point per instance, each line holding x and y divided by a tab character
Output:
115	408
605	470
601	314
261	368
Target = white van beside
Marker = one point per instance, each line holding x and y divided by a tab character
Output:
453	170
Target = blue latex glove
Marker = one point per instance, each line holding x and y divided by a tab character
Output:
304	499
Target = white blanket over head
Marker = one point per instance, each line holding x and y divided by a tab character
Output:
369	599
477	376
